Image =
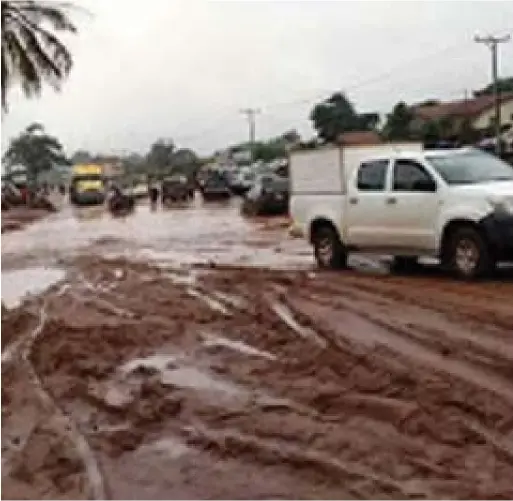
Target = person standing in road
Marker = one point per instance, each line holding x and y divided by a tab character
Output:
153	192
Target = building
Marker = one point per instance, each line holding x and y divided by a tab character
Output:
478	112
359	138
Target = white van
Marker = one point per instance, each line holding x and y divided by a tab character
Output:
396	199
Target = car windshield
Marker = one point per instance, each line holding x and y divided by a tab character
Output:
471	168
87	177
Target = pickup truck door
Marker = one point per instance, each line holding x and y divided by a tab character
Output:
412	206
365	223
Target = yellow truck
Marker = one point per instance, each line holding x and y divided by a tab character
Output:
87	185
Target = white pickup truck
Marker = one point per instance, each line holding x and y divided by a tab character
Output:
398	200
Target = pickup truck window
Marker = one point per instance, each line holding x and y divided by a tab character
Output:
411	176
372	175
470	168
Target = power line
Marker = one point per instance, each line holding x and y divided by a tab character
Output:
492	43
250	114
322	93
376	78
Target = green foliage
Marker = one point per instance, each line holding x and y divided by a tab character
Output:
269	150
36	151
435	131
337	115
276	147
467	134
82	157
160	155
31	52
504	84
398	124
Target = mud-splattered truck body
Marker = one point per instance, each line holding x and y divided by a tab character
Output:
398	200
87	185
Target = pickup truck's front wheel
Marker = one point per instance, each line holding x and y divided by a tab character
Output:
468	254
328	249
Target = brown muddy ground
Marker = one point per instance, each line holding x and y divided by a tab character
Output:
130	381
17	218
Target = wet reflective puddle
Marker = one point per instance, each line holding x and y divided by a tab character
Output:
16	284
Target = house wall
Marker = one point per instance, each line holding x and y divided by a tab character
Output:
485	119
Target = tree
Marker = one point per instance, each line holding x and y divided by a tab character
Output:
291	137
82	157
276	147
435	131
184	157
31	52
467	134
269	150
504	85
36	151
397	126
337	115
160	155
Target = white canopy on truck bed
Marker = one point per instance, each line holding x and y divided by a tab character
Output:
324	170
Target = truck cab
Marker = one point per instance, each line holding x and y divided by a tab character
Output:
454	205
87	185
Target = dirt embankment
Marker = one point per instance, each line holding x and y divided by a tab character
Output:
216	383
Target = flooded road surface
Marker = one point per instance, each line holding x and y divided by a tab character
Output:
195	234
156	369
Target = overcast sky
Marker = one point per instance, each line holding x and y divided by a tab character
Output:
183	69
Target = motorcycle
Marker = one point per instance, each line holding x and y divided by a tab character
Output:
120	204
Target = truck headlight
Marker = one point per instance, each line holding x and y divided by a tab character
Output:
501	205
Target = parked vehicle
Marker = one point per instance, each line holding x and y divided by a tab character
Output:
139	190
215	186
176	188
242	181
18	185
11	195
269	195
455	205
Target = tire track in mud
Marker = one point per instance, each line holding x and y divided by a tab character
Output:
385	404
498	386
423	318
378	329
24	346
431	330
278	452
345	417
465	305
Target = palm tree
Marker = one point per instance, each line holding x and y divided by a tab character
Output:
31	52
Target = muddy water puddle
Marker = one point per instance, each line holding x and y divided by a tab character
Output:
177	371
195	235
16	284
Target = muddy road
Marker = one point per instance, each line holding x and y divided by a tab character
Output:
150	371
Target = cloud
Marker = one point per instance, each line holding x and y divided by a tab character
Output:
183	69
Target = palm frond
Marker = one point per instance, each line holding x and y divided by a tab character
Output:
22	67
51	12
31	53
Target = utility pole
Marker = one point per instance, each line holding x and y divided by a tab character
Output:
250	114
492	42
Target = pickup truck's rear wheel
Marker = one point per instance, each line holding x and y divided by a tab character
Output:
468	254
329	250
